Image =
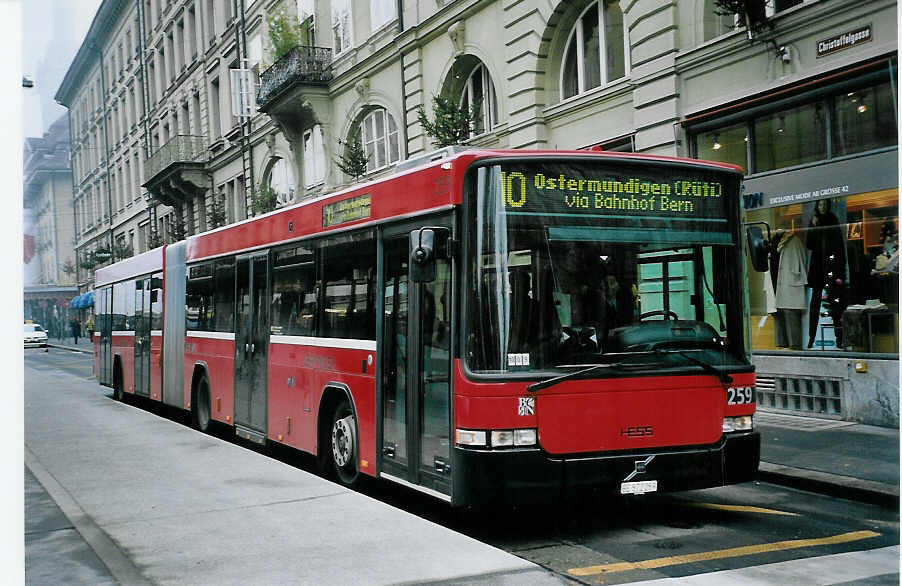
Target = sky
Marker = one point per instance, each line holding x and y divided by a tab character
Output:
52	31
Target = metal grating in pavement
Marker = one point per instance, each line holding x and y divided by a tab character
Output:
797	422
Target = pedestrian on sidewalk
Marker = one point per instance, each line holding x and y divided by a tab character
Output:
89	325
75	327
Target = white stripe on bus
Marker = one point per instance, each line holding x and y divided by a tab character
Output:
344	343
210	335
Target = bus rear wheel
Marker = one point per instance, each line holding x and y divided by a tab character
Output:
343	444
200	405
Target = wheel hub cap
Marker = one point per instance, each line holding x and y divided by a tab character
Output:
343	441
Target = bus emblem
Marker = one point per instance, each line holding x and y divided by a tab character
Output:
526	406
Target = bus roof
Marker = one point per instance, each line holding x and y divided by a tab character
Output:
435	185
141	264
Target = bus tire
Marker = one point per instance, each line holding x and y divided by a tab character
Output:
342	446
117	382
200	405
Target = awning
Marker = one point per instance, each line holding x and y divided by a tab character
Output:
83	301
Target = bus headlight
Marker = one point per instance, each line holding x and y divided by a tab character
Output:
525	437
469	437
505	438
741	423
500	438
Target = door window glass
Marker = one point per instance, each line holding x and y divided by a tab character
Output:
394	367
435	320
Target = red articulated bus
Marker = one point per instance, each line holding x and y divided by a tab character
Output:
485	326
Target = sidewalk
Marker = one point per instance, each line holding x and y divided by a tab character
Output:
84	344
840	458
167	505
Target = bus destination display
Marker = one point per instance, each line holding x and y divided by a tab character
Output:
569	189
346	210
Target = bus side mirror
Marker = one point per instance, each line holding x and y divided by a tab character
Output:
425	245
757	247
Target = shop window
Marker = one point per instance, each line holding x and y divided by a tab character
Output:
791	137
850	280
596	49
725	145
864	120
861	120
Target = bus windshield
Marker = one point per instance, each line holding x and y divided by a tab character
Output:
577	263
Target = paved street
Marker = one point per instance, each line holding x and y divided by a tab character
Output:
116	493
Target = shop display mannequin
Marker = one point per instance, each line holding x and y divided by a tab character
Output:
789	291
827	269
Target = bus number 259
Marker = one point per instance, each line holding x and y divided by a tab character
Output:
740	395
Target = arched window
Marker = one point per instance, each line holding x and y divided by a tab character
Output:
281	180
379	135
596	49
479	94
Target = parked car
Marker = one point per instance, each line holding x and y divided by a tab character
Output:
35	336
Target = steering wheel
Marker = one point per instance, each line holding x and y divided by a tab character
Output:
665	312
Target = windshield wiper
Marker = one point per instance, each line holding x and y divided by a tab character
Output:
724	377
576	374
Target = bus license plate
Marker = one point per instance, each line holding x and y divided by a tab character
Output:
640	487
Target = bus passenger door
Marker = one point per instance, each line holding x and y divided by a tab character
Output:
415	371
105	325
251	346
142	337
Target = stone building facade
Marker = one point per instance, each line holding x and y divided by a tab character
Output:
102	90
48	195
50	228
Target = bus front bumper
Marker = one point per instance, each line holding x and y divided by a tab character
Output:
521	476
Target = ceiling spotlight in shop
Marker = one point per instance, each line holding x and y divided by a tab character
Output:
862	107
782	128
716	146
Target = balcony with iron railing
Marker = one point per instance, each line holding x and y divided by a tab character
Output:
175	172
182	148
300	66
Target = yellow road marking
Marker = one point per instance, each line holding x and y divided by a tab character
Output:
720	554
741	509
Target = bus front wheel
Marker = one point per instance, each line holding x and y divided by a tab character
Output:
343	444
